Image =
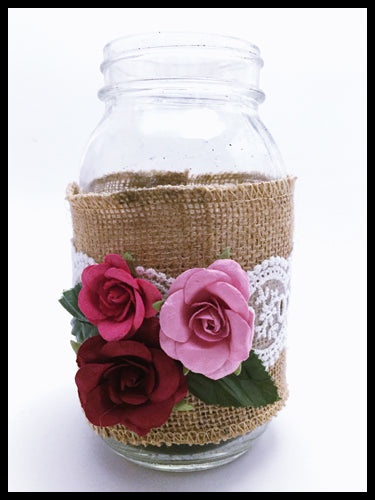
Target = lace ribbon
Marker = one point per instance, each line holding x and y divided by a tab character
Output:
269	298
269	286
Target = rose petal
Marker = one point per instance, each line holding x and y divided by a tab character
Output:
240	338
100	410
227	368
208	315
174	320
141	419
122	276
139	314
133	398
89	351
231	296
111	378
200	320
114	395
196	285
123	311
113	330
92	275
88	304
214	303
123	348
168	345
150	294
180	281
149	380
112	310
181	390
148	332
203	333
115	260
89	376
237	275
113	293
202	357
168	376
117	294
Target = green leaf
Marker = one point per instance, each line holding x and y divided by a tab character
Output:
182	406
157	305
130	260
69	301
252	387
82	330
75	346
238	371
225	254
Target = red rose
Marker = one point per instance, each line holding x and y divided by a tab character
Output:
126	382
115	301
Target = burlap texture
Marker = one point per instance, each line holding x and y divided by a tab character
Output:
206	423
173	222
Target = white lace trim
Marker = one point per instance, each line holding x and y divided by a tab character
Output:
79	261
269	298
269	285
160	280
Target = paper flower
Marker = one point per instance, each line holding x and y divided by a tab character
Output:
132	374
113	300
127	382
206	322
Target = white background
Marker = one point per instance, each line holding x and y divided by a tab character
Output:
314	78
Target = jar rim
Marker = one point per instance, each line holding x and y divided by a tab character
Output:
127	45
176	61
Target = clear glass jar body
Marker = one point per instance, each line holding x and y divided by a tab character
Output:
184	104
177	102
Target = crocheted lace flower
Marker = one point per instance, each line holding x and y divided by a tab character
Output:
206	322
113	300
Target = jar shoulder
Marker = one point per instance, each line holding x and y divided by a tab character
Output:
202	140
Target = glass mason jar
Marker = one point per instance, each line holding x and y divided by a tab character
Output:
170	174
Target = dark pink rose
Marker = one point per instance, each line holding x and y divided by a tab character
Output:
206	322
115	301
128	382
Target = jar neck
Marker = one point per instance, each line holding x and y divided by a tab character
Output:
184	93
182	67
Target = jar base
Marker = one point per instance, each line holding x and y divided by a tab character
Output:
186	458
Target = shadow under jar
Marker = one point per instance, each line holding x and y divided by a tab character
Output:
179	168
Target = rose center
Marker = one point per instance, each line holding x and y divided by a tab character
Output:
117	294
208	322
131	377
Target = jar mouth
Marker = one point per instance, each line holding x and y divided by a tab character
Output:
129	45
178	56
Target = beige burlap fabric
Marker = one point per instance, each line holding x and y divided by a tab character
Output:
173	222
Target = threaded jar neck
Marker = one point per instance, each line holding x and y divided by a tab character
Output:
181	64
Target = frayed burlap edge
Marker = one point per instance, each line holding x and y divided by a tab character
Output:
174	228
206	423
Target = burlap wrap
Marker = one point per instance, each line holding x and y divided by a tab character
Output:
172	222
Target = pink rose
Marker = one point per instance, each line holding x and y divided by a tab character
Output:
115	301
206	322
